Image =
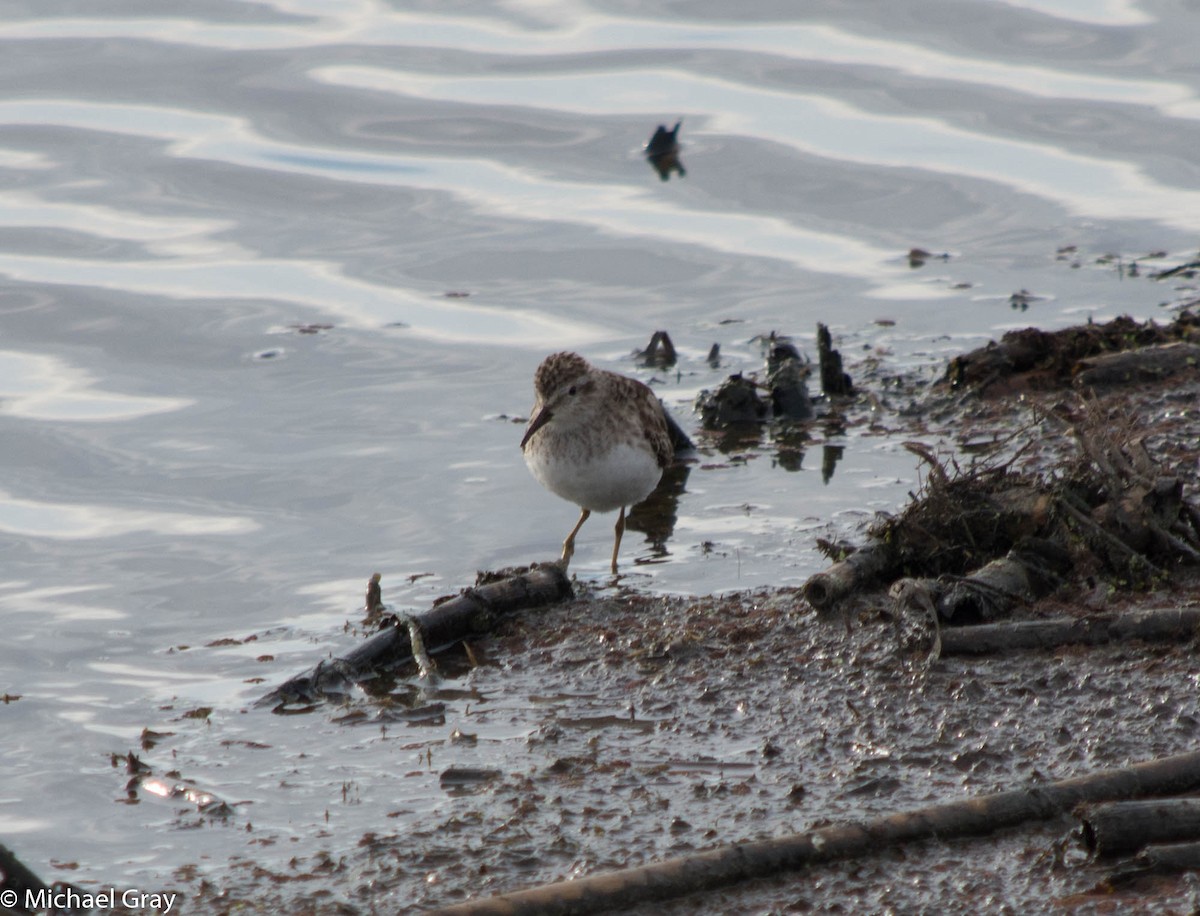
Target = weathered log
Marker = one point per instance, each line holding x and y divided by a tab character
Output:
1049	357
1149	364
1170	857
731	864
471	613
1118	827
834	379
862	569
1031	569
1152	625
1160	859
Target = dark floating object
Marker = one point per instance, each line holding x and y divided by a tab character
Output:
714	356
660	352
662	152
314	328
918	256
1021	299
1187	270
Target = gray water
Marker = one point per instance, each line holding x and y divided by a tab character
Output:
276	276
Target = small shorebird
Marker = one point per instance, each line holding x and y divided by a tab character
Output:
595	438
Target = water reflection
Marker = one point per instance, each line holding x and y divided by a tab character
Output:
657	514
789	440
829	126
74	521
830	456
40	387
55	602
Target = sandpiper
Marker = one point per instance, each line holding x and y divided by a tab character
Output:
595	438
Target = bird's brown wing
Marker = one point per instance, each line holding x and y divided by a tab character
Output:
656	432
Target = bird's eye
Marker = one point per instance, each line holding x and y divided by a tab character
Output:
571	390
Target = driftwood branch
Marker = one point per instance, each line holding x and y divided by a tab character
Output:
1170	857
1149	364
1155	625
863	569
731	864
471	613
1119	827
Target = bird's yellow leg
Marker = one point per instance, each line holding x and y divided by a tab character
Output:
569	543
617	543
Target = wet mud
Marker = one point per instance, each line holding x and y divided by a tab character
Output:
617	729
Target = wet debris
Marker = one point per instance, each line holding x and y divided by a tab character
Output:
736	402
1188	270
1034	359
788	386
169	786
150	739
315	327
743	402
374	600
1163	625
734	863
918	256
662	152
659	353
1022	298
977	544
1147	364
467	780
835	381
417	637
1128	826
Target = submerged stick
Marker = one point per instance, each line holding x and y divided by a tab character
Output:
471	613
1153	624
741	862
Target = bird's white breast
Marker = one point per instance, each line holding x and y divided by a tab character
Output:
622	475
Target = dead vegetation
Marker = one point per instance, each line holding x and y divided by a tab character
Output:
1101	511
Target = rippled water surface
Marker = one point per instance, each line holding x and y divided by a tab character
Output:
274	279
